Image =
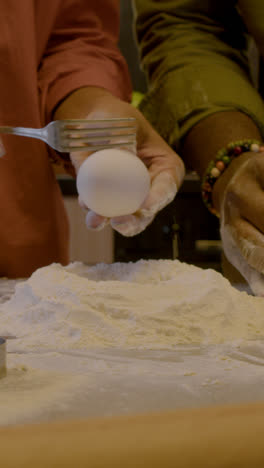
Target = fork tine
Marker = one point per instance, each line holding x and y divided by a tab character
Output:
96	125
96	130
94	139
93	148
96	121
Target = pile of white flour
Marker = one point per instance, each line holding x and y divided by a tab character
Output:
142	305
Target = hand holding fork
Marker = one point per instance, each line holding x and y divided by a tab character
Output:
114	123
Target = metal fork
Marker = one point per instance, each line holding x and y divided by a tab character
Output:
82	135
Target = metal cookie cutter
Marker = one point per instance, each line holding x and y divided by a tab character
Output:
2	357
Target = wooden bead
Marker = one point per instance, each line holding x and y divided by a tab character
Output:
226	159
215	172
220	165
254	147
237	150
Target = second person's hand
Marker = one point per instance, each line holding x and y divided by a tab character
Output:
239	196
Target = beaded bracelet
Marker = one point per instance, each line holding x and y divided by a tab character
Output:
222	160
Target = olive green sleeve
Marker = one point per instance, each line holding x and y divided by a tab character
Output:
195	56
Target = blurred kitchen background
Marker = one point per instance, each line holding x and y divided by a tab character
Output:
183	230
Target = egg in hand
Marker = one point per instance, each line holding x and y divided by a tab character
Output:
113	182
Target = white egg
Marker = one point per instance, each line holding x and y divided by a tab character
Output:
113	182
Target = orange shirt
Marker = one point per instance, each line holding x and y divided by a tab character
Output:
48	48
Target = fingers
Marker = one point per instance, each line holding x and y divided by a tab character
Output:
232	243
249	241
255	281
242	215
242	222
163	191
156	153
95	222
131	225
243	245
126	225
245	193
161	158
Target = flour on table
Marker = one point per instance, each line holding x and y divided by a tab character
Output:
144	305
28	394
124	338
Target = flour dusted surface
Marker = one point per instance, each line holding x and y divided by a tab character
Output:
142	305
125	338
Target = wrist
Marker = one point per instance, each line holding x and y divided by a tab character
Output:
218	168
223	181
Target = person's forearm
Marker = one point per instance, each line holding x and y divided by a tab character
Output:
195	58
212	134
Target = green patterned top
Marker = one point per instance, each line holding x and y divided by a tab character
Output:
195	55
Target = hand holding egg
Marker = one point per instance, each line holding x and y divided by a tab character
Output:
126	191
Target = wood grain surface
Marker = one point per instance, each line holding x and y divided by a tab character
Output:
230	436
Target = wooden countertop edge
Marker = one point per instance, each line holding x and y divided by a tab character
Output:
222	436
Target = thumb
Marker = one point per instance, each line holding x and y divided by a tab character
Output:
254	278
163	190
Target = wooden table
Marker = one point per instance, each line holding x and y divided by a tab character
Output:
230	436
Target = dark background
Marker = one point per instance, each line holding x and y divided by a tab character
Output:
128	47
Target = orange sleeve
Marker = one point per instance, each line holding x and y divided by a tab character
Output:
82	51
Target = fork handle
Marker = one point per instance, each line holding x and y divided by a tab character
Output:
23	131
